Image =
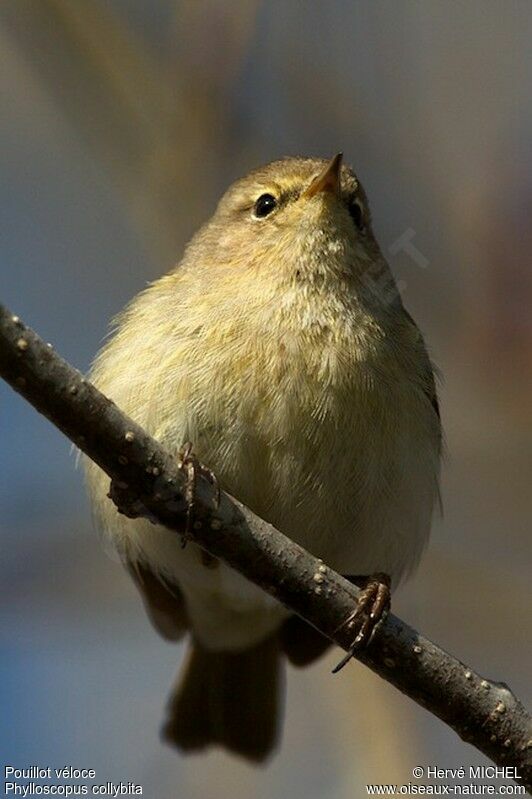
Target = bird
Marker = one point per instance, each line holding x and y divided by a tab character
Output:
280	347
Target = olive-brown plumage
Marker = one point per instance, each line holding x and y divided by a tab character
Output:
280	347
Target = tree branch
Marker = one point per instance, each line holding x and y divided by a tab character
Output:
482	712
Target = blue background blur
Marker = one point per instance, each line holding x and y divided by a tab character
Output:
121	124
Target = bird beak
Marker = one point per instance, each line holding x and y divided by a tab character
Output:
327	180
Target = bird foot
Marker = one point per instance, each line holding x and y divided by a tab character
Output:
372	607
193	469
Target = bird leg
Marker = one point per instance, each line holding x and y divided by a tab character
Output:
372	607
193	469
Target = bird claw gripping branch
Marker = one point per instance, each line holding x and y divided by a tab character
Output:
189	463
372	607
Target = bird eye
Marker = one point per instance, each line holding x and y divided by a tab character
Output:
356	212
265	205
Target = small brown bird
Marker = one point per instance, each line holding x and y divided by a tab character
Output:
280	347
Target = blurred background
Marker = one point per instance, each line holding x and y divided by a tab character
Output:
122	122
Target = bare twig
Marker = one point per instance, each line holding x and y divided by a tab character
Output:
147	479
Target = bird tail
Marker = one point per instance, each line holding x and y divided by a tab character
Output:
231	699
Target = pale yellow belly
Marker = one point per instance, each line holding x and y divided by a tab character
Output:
357	491
337	459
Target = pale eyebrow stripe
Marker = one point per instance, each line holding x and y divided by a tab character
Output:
281	195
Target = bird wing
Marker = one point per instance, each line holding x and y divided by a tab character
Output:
430	382
163	601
